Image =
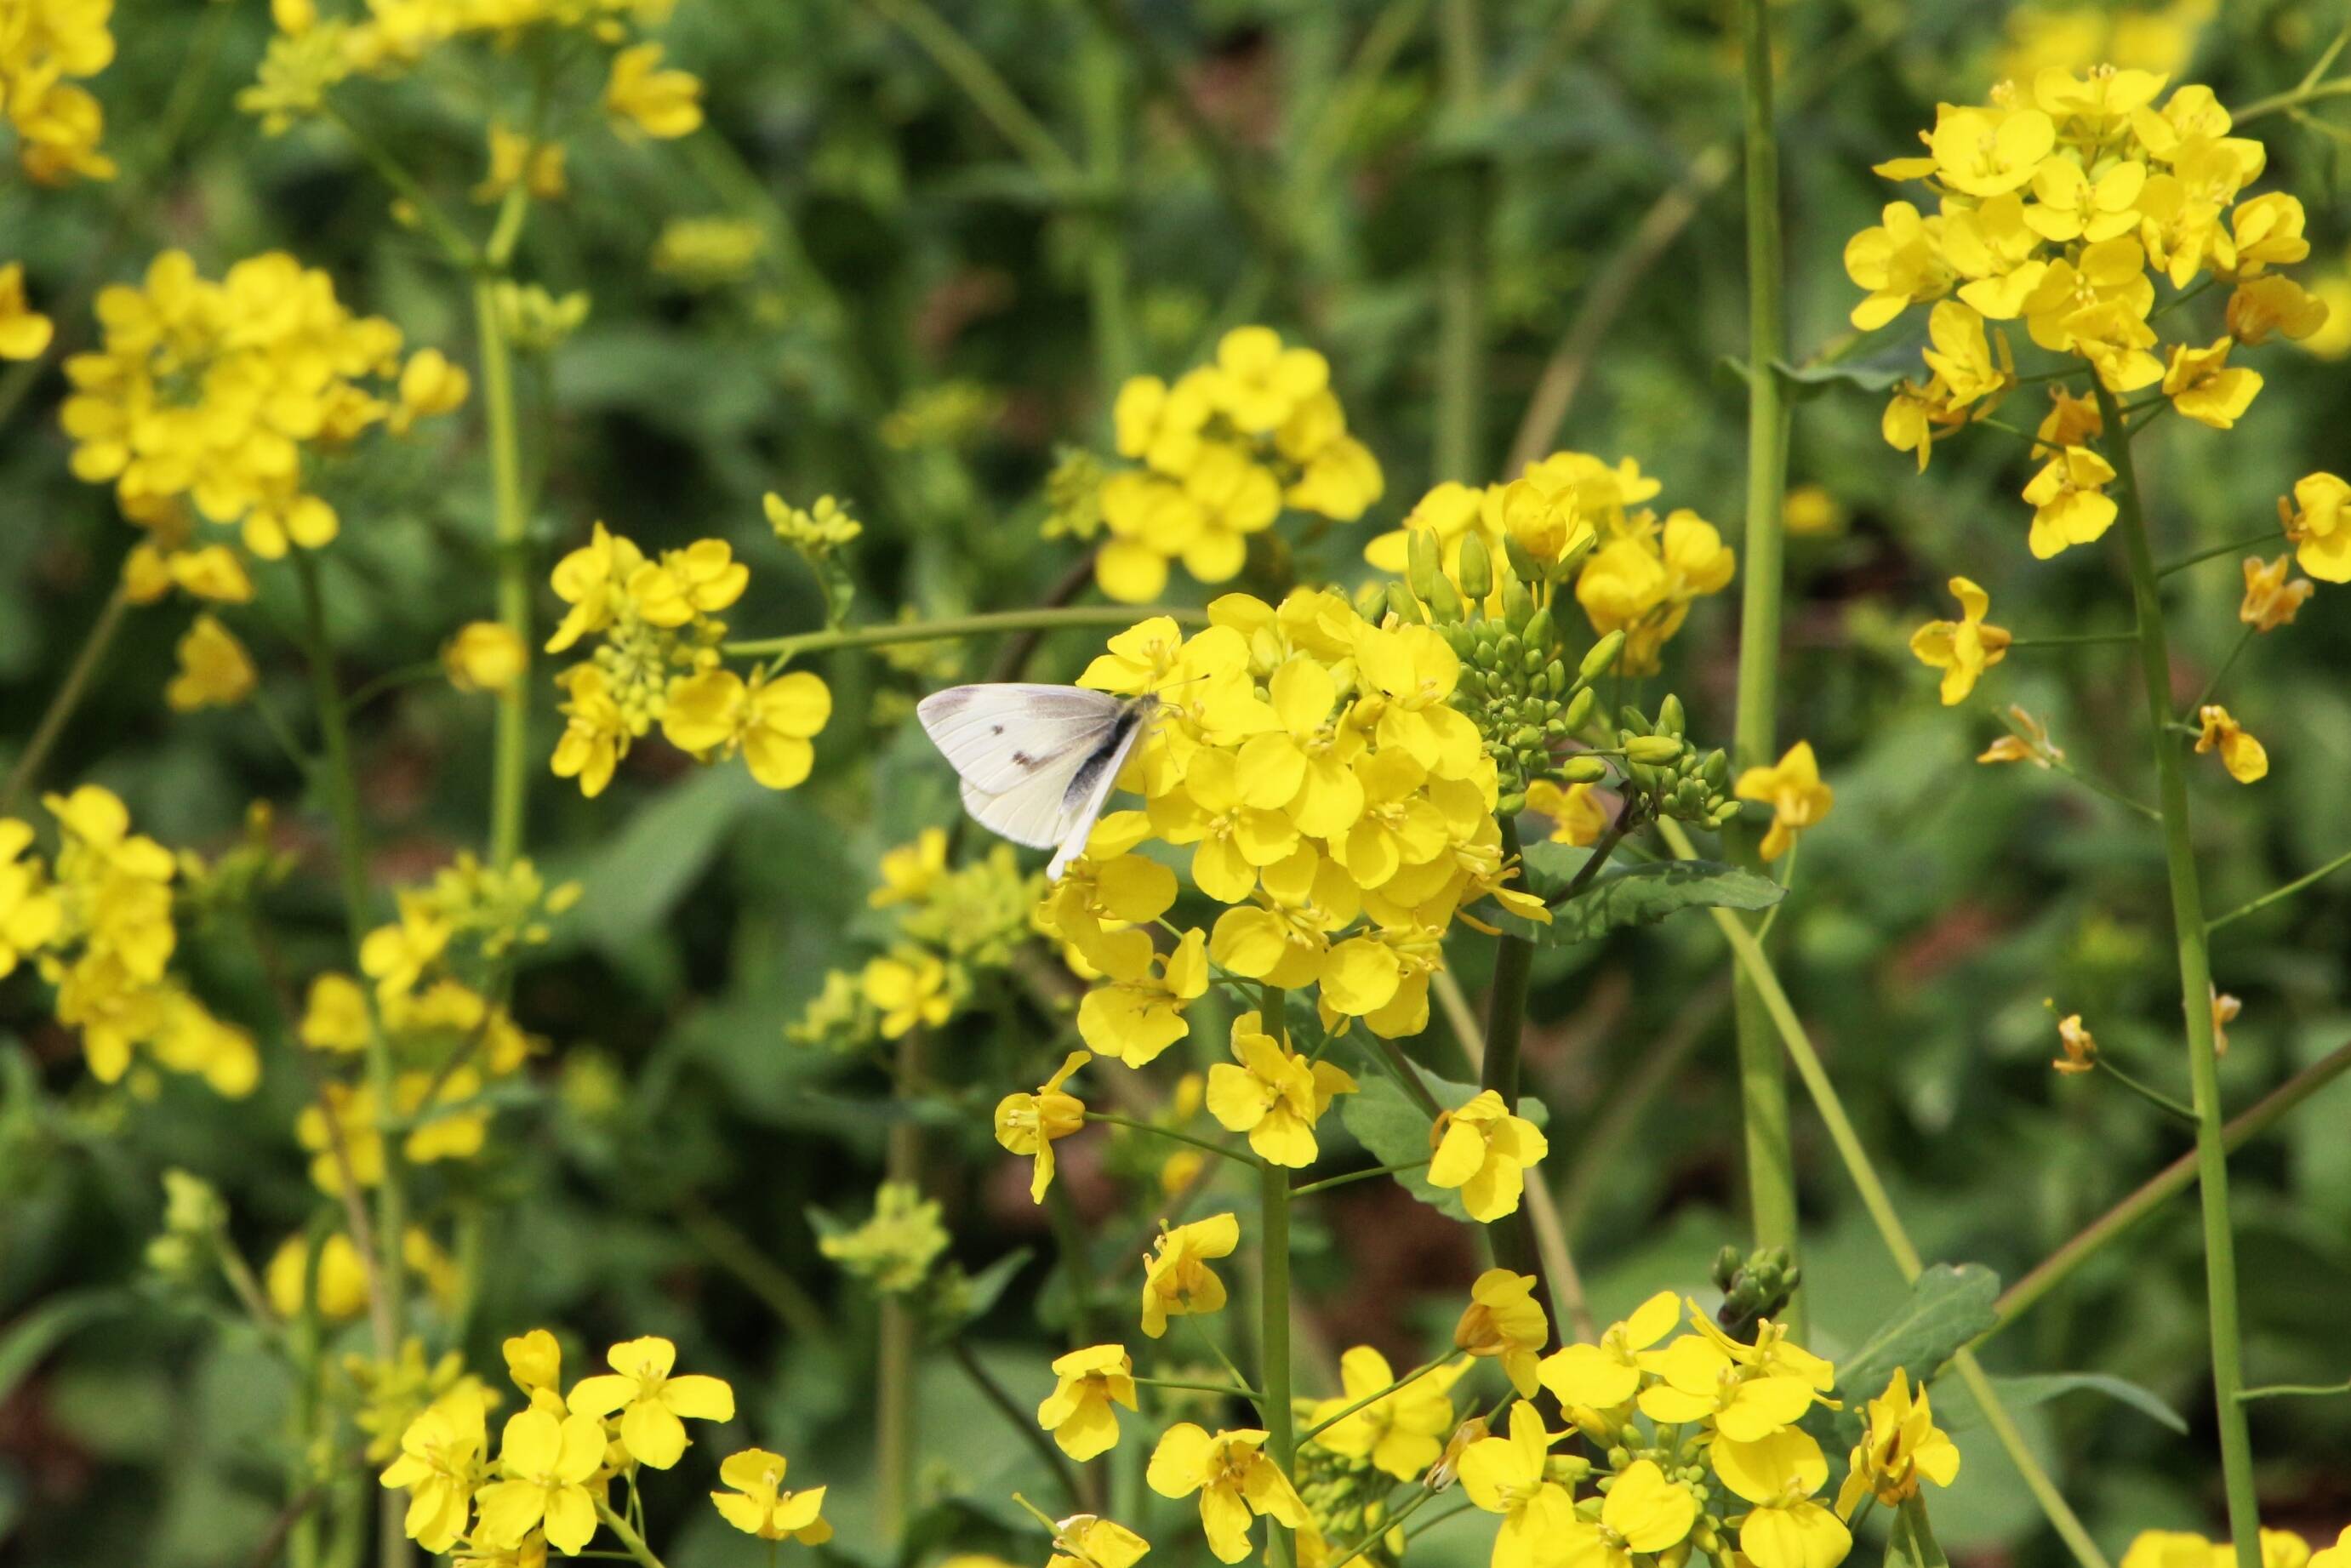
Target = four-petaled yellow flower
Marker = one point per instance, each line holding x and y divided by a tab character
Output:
1138	1012
1275	1095
1401	1434
1089	1541
909	871
1645	1512
1793	790
440	1463
661	103
1028	1123
1176	1279
1603	1375
2070	506
2318	520
1078	1412
1778	1473
772	722
1698	1381
1235	1478
2247	760
1899	1444
911	987
1484	1149
651	1400
1962	649
547	1464
2203	387
1509	1476
1505	1320
760	1506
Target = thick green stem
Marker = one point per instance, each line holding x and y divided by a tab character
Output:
894	634
628	1537
1102	104
510	761
2196	1005
342	784
69	696
1460	259
1510	1236
1273	1312
1762	1075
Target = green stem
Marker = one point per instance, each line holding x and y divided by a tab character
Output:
511	760
1510	1237
1924	1549
1234	1390
894	634
1409	1379
1210	1144
1327	1183
1102	104
2100	787
1460	258
1762	1076
740	1255
990	93
1756	967
2278	103
459	250
2288	890
2244	639
1022	1421
2196	993
1273	1310
894	1435
2159	1188
2073	640
67	697
628	1537
2195	558
2146	1092
2294	1391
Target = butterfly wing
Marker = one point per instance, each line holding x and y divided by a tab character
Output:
1004	736
1092	789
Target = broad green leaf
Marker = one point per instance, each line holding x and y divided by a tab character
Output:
37	1333
631	883
1640	896
1394	1127
1947	1307
2023	1391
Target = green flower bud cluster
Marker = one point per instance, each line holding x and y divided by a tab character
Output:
1340	1493
1669	775
1756	1286
1517	685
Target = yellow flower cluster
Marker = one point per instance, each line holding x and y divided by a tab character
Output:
46	46
1573	512
1330	796
1224	448
2186	1549
24	332
657	660
547	1482
2060	207
216	393
310	55
99	926
430	995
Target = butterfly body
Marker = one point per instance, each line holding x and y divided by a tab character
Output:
1038	762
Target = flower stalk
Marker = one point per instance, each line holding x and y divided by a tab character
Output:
1273	1312
510	765
2196	990
1066	617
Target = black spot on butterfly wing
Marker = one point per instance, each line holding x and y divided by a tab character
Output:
1088	774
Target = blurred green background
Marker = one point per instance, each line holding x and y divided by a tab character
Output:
912	332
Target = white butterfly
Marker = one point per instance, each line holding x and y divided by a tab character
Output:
1038	762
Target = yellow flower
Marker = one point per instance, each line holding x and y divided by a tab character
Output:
24	332
342	1278
29	912
2271	601
2078	1044
895	1247
1962	357
2272	303
2202	387
1028	1123
651	1400
1779	1473
1160	424
1275	1095
2070	506
771	722
546	1464
1509	1476
1485	1150
2225	1008
57	121
1084	1540
1603	1375
1176	1279
440	1464
1899	1444
1259	382
826	525
1138	1012
1898	262
485	656
430	386
911	987
1990	151
1961	648
2336	1556
1699	1381
2318	520
534	1362
1235	1480
2247	760
1792	788
1505	1320
1644	1512
1078	1412
661	103
2028	742
1578	815
516	162
1401	1435
759	1504
708	252
215	669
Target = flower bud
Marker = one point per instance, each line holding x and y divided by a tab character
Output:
1654	749
1477	570
1726	813
1585	769
1423	568
1602	654
1579	709
1518	605
1632	720
1669	716
1539	630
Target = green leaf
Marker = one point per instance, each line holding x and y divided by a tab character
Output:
1947	1307
632	884
33	1336
2023	1391
1392	1125
1640	896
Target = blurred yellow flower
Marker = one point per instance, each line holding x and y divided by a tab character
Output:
1961	648
441	1462
485	656
214	671
2318	520
2271	601
660	103
911	987
24	332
